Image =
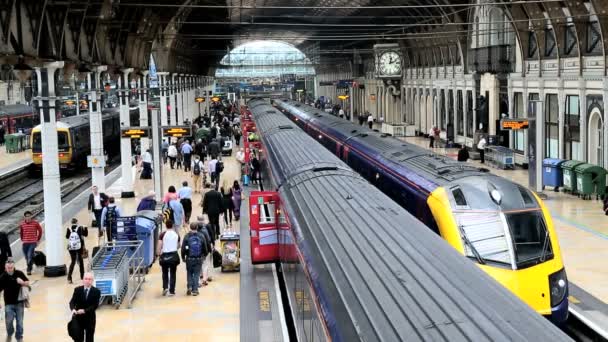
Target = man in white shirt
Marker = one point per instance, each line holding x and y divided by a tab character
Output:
341	113
481	146
432	137
240	157
211	168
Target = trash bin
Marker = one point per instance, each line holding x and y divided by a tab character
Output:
147	224
569	175
552	173
11	143
590	179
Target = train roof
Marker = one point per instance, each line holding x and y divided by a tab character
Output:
15	109
432	166
377	272
78	120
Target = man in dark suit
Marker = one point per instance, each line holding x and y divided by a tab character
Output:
213	206
96	203
83	304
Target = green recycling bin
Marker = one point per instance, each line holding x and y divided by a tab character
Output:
569	175
12	143
590	179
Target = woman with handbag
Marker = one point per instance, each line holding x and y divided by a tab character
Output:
168	257
75	234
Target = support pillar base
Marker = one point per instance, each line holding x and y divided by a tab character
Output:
127	194
55	271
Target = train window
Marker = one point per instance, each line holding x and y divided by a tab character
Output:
459	197
62	140
531	237
525	195
484	236
267	213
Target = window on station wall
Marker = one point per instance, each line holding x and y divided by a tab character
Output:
551	126
459	113
442	109
572	133
518	112
469	113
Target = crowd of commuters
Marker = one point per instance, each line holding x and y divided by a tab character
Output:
189	237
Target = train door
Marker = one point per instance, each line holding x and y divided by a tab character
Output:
344	155
264	226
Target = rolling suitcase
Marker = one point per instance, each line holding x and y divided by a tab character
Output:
39	259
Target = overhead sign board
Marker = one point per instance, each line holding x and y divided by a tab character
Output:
135	132
514	124
177	131
215	99
343	97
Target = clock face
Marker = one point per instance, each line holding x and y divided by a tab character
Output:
390	63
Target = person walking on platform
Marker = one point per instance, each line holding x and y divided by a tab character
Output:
432	137
481	147
172	153
168	257
176	214
83	304
254	169
213	206
236	131
227	204
11	282
97	201
237	197
207	230
194	250
5	250
109	218
146	172
214	148
370	121
31	234
186	150
211	167
185	198
198	168
165	150
171	194
75	235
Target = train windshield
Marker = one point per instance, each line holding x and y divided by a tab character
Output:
62	140
532	244
484	237
517	240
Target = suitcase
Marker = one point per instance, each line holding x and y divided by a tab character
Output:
39	259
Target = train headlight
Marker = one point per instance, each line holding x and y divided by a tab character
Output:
558	285
496	196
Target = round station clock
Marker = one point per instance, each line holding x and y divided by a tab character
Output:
389	63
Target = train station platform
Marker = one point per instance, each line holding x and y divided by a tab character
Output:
214	315
10	162
582	230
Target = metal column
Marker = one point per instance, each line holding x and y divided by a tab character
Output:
172	102
164	91
50	170
125	143
143	107
97	153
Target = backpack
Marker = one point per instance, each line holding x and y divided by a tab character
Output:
168	213
196	170
219	167
196	245
110	216
74	242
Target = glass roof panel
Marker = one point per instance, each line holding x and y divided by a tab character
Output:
263	58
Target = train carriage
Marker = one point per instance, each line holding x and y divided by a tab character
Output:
502	226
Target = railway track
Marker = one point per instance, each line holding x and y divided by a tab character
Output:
21	192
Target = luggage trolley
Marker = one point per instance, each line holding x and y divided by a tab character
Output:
230	244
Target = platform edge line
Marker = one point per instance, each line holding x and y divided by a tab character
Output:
595	327
277	293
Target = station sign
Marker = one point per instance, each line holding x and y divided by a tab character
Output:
514	124
343	97
177	131
199	99
135	132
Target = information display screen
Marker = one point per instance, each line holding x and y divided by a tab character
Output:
514	124
135	132
177	131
